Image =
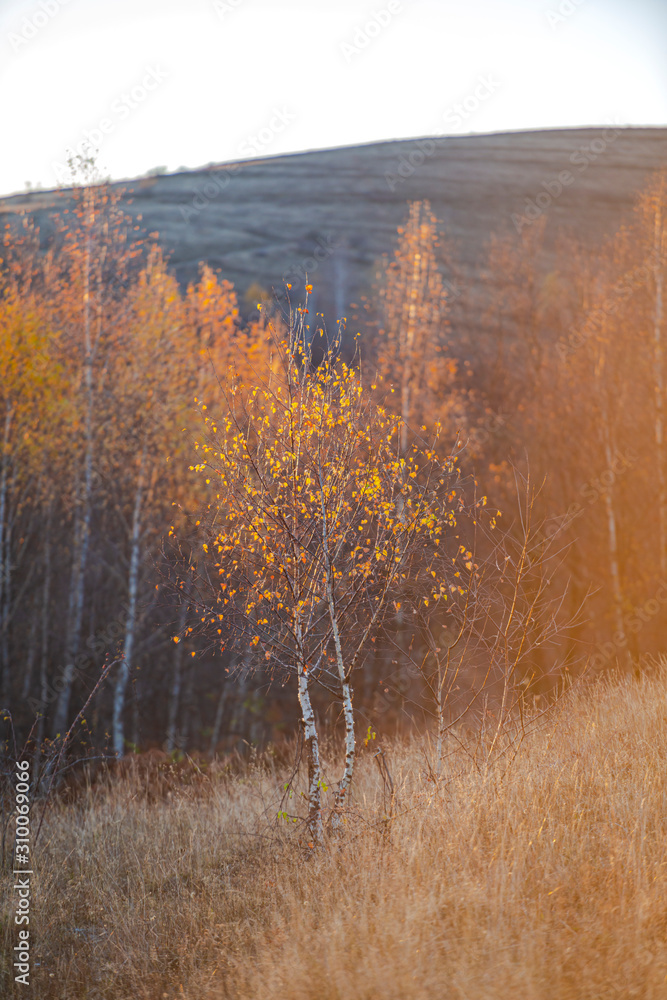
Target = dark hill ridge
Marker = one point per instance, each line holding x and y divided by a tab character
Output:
334	212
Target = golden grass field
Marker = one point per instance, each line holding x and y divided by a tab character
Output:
540	879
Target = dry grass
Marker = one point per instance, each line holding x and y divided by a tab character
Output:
542	882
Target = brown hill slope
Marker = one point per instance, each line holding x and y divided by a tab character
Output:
334	212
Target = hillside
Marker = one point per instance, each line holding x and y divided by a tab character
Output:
334	212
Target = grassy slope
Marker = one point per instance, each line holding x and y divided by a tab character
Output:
547	879
264	218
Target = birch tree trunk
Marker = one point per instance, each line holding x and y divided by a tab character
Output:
75	617
608	444
188	711
219	715
612	530
440	718
44	659
118	727
407	341
176	684
4	556
32	652
346	690
311	742
237	725
660	386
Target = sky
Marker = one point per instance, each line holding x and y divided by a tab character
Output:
182	83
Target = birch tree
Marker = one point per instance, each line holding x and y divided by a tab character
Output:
31	412
652	245
411	348
155	374
316	523
86	292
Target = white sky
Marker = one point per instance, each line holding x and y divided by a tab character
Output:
229	65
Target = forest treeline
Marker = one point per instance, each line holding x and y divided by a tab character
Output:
555	369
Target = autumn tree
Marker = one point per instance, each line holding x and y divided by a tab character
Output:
317	524
86	283
34	412
153	381
574	359
651	246
411	350
479	661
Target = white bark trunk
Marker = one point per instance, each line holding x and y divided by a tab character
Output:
118	728
44	660
176	682
83	528
441	723
219	715
346	693
408	347
346	690
311	741
32	652
660	389
237	725
612	533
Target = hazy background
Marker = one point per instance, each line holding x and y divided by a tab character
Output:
222	68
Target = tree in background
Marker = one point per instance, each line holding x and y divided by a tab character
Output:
101	356
411	349
84	296
35	417
651	249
